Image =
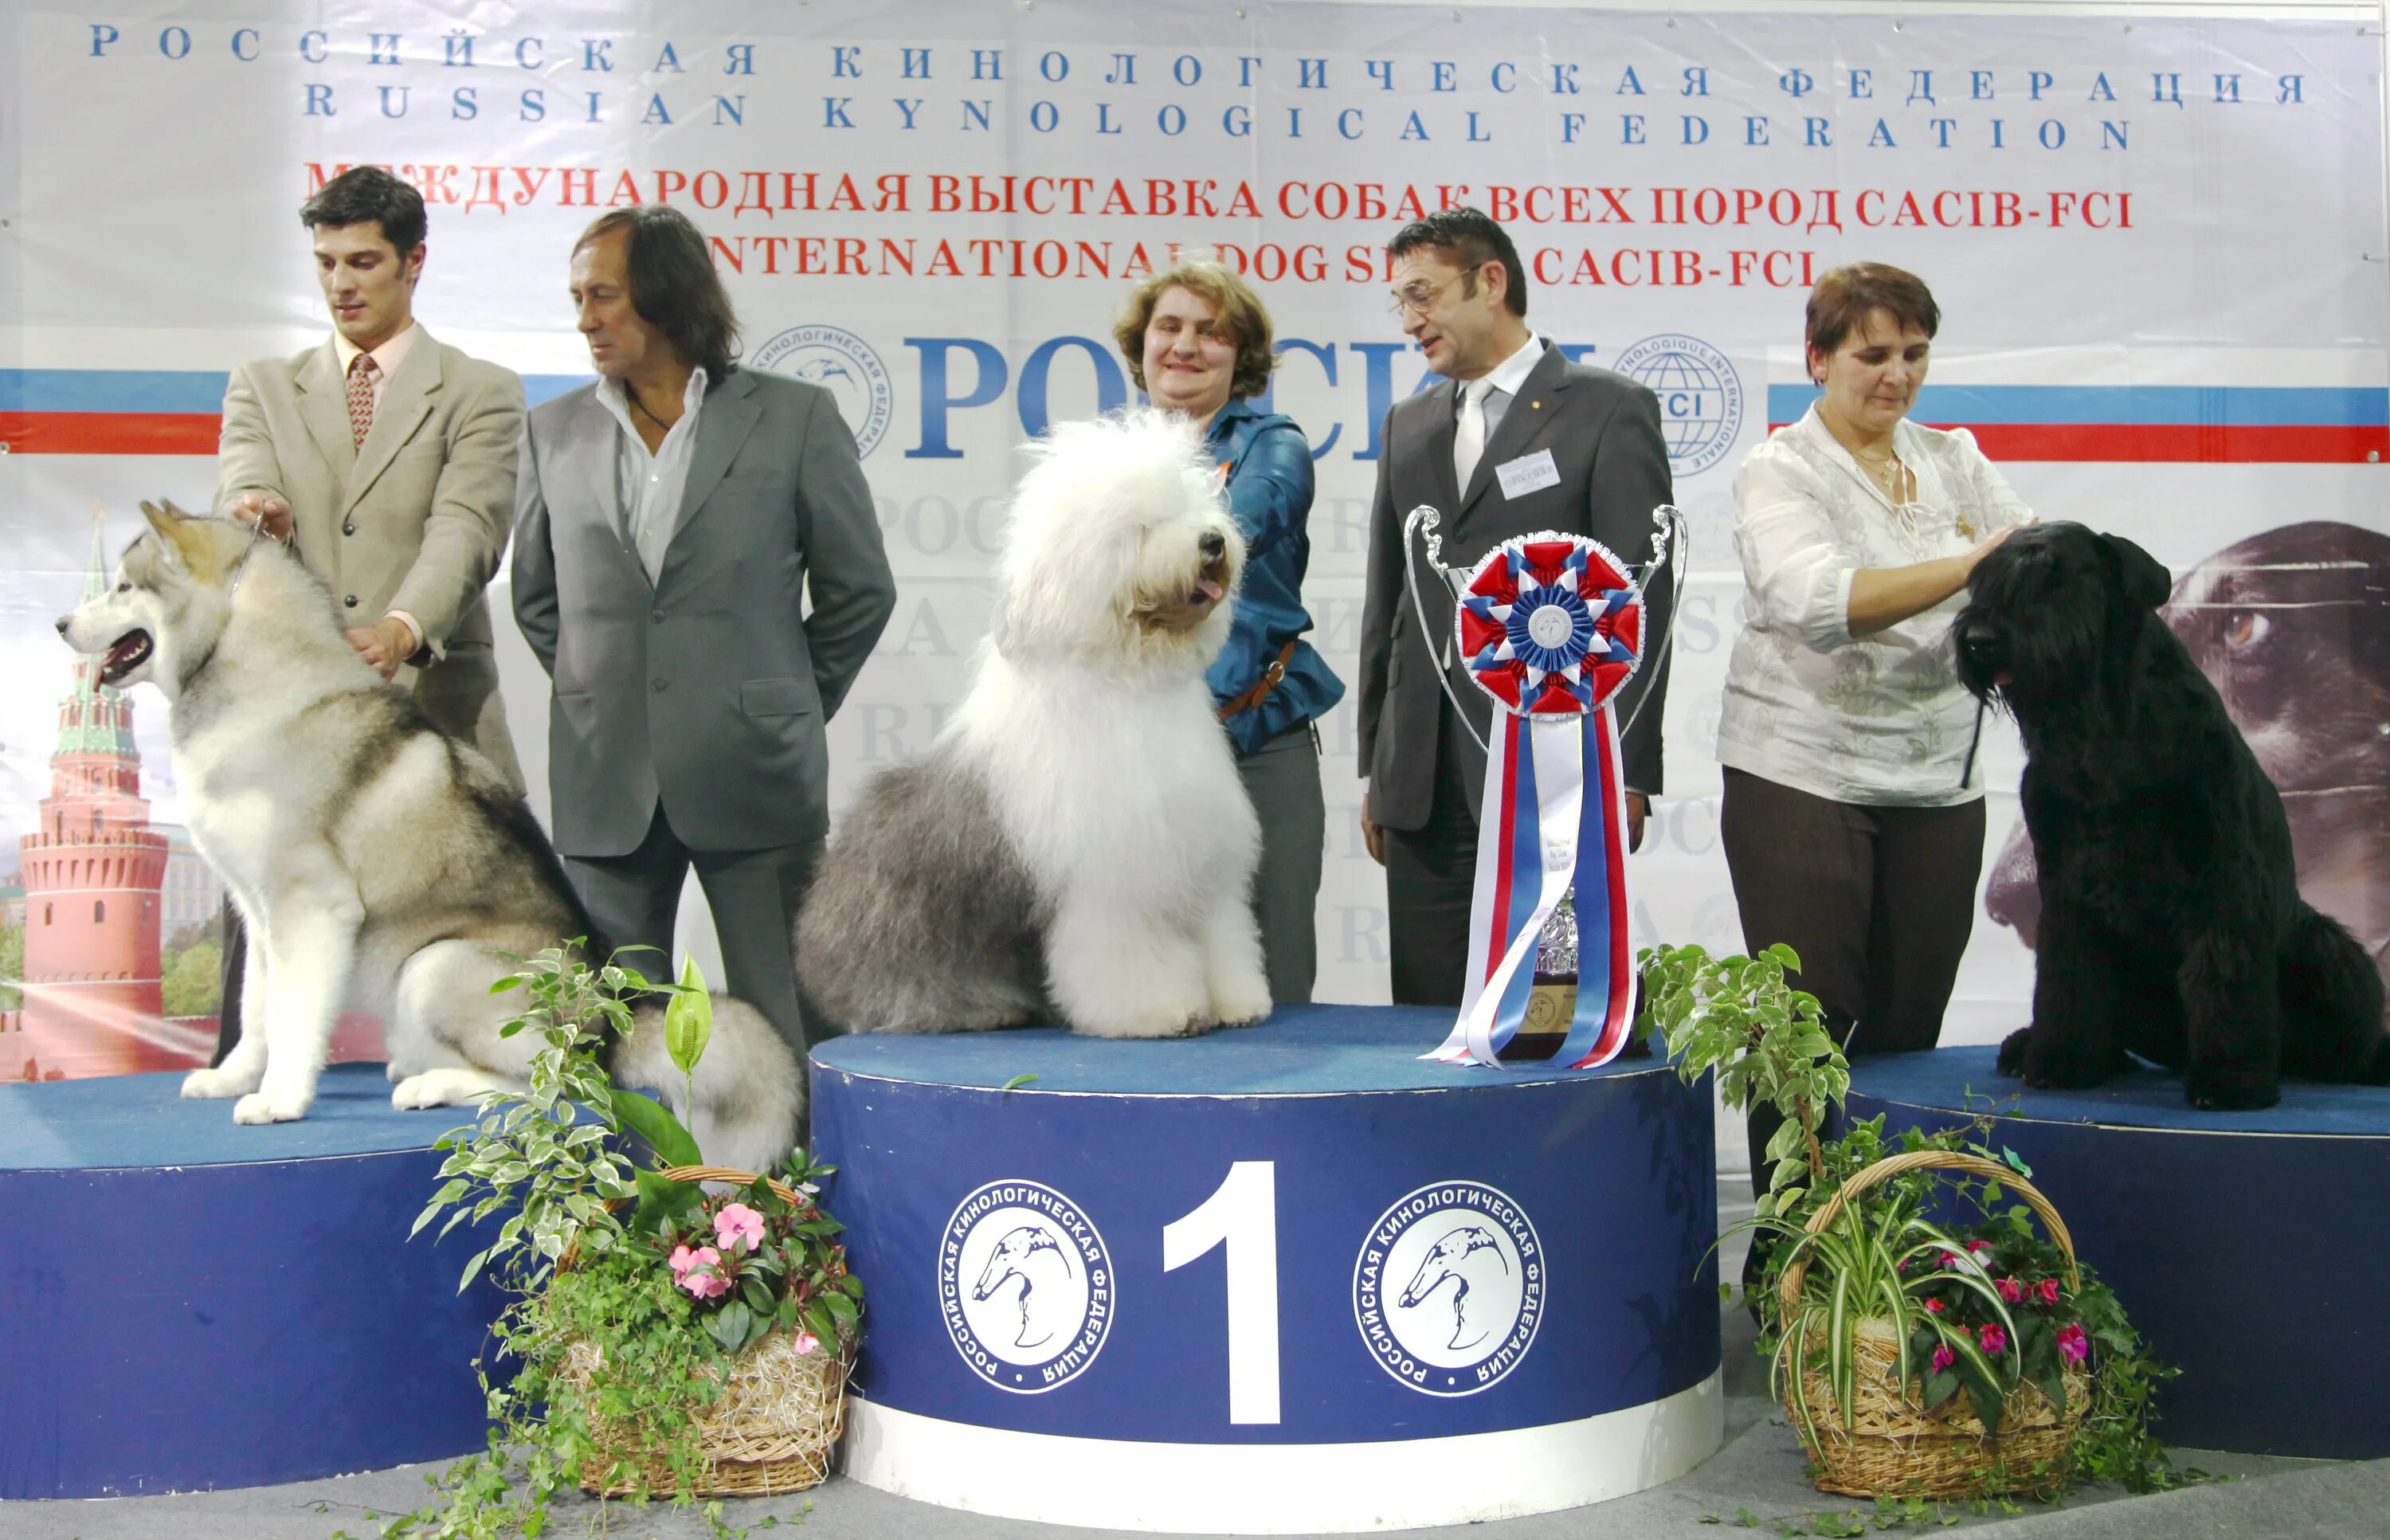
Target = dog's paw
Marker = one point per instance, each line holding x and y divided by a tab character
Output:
1147	1024
1242	1003
415	1093
2011	1059
270	1106
215	1084
2231	1089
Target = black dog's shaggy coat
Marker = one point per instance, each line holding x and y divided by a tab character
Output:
2171	923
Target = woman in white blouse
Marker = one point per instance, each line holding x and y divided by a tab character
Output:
1854	813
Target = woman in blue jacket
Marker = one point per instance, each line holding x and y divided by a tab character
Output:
1198	341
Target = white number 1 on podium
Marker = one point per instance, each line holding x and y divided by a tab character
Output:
1241	1216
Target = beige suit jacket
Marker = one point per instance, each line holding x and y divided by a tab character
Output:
414	519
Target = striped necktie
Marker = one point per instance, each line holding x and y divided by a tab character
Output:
362	375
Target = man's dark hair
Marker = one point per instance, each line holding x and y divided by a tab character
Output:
1468	240
364	193
673	285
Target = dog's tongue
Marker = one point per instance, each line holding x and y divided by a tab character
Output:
1210	590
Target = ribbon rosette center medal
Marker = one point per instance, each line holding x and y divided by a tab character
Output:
1551	627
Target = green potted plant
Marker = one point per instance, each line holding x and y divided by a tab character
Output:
677	1329
1913	1358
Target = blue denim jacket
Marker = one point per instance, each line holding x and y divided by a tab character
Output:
1269	493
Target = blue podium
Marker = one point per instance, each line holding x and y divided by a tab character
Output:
2246	1246
191	1304
1286	1280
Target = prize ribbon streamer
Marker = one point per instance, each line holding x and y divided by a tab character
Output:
1552	627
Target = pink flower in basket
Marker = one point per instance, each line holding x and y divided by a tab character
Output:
2047	1290
1935	1305
1949	1258
1943	1357
739	1223
2073	1345
694	1271
1993	1339
806	1343
2011	1291
1979	1245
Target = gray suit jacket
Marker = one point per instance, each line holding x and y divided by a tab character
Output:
1603	431
415	518
707	689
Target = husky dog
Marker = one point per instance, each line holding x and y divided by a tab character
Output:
1076	842
378	865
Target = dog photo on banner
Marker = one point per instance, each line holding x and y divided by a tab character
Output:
1551	627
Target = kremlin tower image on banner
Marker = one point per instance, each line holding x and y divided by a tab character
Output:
109	942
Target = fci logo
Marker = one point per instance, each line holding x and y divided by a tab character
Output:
1700	397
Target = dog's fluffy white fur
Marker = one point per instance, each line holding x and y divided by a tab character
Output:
1078	840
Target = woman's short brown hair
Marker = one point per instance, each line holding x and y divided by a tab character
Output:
1845	297
1239	311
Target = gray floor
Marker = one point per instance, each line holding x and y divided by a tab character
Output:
1754	1482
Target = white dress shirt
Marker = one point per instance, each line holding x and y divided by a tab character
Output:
1878	720
652	483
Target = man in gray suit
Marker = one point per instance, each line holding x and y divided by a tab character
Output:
670	520
1514	439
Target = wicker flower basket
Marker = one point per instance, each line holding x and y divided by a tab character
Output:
1895	1447
770	1431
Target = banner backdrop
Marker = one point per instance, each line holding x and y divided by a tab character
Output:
2157	242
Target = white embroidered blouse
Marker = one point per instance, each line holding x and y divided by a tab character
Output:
1877	720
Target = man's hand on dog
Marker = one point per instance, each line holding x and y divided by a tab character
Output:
269	513
384	645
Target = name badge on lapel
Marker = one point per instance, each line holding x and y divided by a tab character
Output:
1528	473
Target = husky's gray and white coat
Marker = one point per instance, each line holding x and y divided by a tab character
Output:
380	866
1078	840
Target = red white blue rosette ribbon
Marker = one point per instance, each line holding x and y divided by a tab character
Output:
1551	627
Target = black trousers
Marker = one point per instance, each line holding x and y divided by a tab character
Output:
1877	901
233	961
1282	780
1430	872
753	893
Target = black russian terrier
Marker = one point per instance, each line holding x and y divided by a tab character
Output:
2171	923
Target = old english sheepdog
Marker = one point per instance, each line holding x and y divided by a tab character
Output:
1077	843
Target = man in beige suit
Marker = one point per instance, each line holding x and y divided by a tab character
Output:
388	460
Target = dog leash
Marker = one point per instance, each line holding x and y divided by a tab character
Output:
1967	772
241	566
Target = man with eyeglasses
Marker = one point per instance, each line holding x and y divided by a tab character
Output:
1514	439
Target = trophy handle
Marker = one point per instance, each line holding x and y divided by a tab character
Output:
1670	537
1423	519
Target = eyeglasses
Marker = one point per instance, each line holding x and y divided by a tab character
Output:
1416	301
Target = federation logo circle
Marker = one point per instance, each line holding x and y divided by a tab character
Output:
1449	1288
844	364
1550	624
1025	1286
1700	397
